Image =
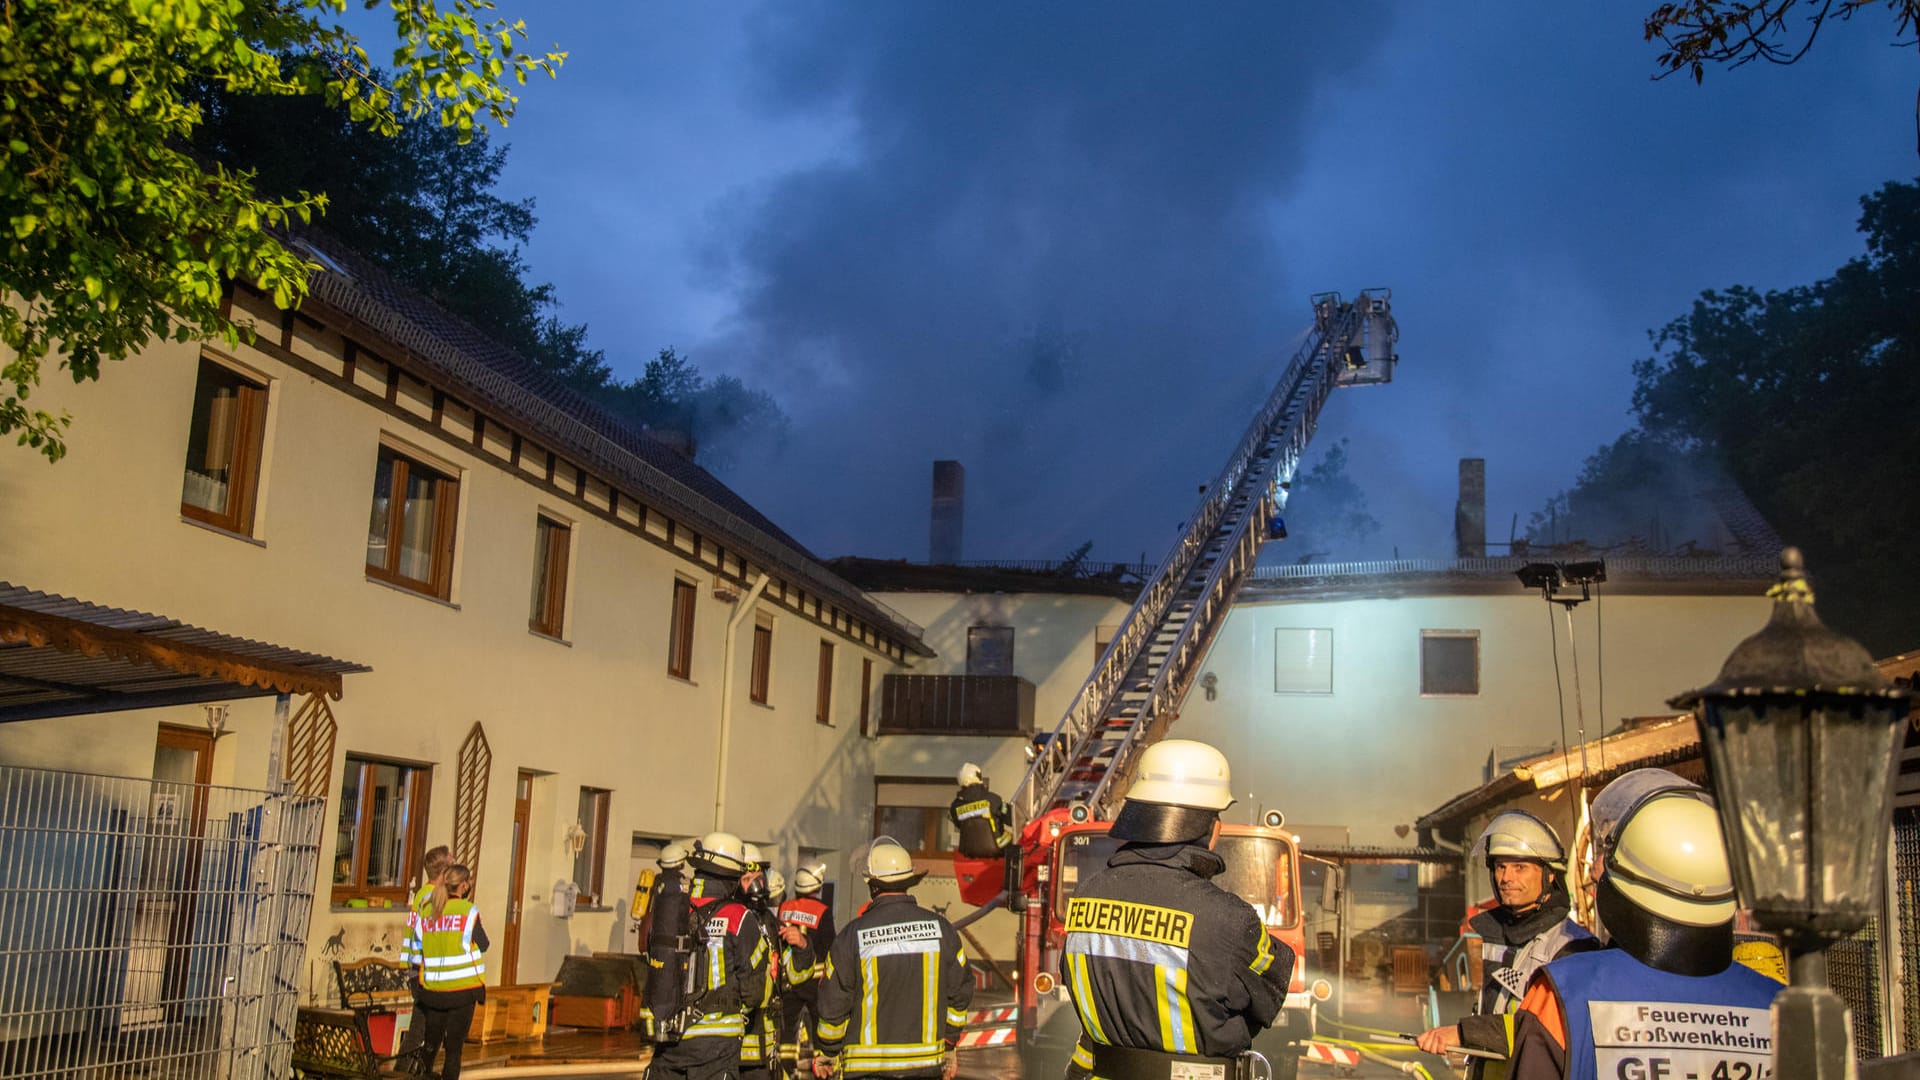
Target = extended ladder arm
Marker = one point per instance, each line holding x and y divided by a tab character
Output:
1135	689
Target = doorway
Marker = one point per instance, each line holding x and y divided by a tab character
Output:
160	949
517	879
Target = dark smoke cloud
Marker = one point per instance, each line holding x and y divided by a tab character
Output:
1045	253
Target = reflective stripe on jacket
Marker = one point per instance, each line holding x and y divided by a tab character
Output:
1158	957
449	958
816	920
985	823
730	969
410	941
895	991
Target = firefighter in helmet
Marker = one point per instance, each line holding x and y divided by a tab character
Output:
806	929
1530	925
762	891
984	821
895	991
725	969
1168	971
665	933
1664	897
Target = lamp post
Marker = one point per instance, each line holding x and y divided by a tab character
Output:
1800	731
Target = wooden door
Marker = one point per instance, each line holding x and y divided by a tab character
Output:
517	879
169	869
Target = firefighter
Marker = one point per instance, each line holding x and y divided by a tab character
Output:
984	821
806	929
725	970
668	917
896	988
1665	902
758	1059
1531	925
1170	974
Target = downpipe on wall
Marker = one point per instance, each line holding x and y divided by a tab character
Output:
741	609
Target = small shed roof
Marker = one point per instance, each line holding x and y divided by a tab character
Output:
60	657
1654	742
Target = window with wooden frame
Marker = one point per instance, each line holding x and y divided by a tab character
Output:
552	543
590	864
914	812
224	440
410	529
680	637
823	696
762	659
382	827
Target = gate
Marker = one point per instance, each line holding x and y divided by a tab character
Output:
151	924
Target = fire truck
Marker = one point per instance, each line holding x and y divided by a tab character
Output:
1080	771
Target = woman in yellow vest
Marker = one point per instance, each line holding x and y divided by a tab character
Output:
452	972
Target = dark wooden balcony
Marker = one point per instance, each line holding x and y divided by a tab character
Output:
956	705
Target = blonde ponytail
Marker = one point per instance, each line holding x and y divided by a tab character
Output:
443	889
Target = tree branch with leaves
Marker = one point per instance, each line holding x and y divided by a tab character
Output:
113	233
1733	33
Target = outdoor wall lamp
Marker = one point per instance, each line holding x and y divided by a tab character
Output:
1800	732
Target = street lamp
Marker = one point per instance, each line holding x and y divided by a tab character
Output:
1800	732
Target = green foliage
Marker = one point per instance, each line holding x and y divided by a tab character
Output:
1641	493
422	204
723	417
1808	396
114	233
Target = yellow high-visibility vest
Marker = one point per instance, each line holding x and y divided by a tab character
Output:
449	959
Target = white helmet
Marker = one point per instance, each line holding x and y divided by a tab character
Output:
1669	858
673	856
722	853
776	884
970	774
1182	772
810	878
889	863
1517	834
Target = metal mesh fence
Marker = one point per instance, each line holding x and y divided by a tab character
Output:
1853	969
150	928
1906	911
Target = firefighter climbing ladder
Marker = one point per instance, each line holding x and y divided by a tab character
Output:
1136	688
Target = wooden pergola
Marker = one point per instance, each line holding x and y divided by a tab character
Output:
64	657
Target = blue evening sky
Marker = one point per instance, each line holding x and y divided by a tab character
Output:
1071	244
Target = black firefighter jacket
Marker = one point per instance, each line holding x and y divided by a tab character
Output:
1158	957
895	992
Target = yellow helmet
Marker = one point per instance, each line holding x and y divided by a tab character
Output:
673	856
721	853
971	774
889	863
1179	788
1182	772
810	878
776	884
1670	858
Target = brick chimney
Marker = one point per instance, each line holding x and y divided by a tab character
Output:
949	505
1470	513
